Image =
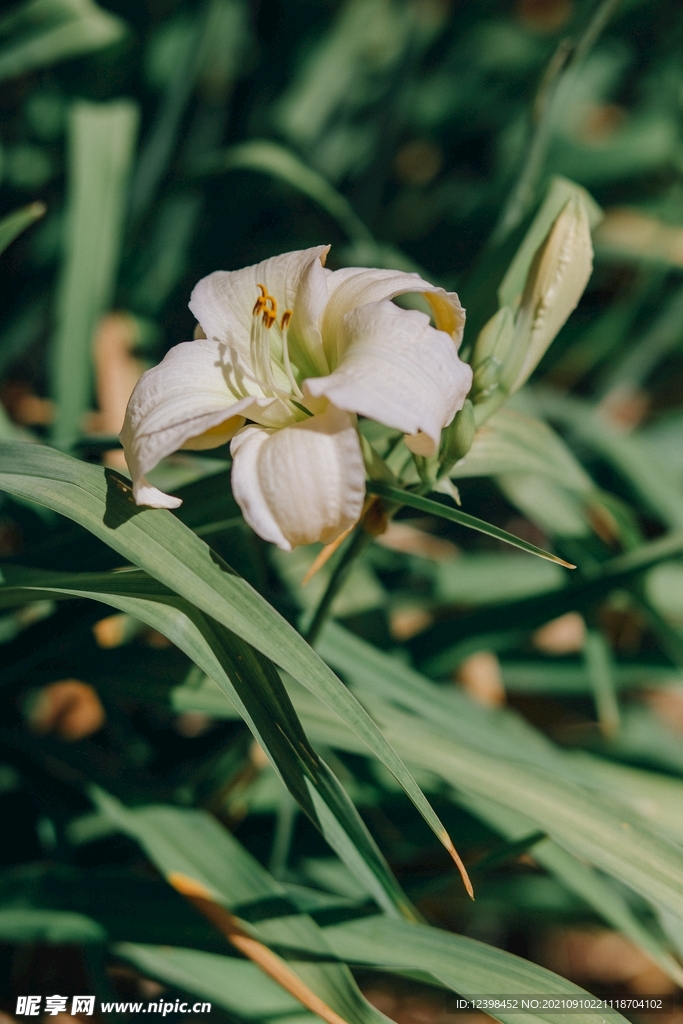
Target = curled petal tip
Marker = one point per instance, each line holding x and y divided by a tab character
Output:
145	494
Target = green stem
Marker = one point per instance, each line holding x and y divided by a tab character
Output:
358	543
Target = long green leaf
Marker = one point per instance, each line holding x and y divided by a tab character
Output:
580	878
14	223
437	508
465	965
252	684
497	755
645	471
508	740
190	843
102	502
236	985
44	32
511	442
600	830
101	141
436	648
269	158
608	835
26	924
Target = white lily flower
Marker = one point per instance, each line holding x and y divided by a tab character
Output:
300	352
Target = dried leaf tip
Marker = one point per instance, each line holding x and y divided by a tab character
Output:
561	561
448	843
188	886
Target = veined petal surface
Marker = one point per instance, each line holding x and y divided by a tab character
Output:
223	302
358	286
306	342
302	484
184	399
397	369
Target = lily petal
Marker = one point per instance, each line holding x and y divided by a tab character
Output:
398	369
306	343
223	302
358	286
302	484
184	401
146	494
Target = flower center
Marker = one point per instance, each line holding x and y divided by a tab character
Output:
264	319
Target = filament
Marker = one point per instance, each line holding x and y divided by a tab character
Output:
264	318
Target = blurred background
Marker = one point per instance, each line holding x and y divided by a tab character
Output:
162	139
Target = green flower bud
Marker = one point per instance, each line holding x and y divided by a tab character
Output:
486	378
457	438
555	283
494	338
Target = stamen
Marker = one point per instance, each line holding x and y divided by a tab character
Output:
266	305
259	365
265	316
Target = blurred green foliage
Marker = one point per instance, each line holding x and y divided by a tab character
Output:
167	138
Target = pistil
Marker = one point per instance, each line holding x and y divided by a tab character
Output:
284	328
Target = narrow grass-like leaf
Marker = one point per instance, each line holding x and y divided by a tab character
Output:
101	141
598	660
655	799
269	158
236	985
614	838
640	466
28	924
436	648
44	32
499	756
464	965
577	876
192	846
14	223
164	132
252	684
437	508
511	442
158	542
101	502
609	836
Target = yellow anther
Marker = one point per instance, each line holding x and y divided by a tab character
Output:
266	305
286	317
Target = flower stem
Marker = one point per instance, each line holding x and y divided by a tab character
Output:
360	538
359	541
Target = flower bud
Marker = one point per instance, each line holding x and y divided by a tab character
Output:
457	437
490	353
486	378
494	338
556	280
